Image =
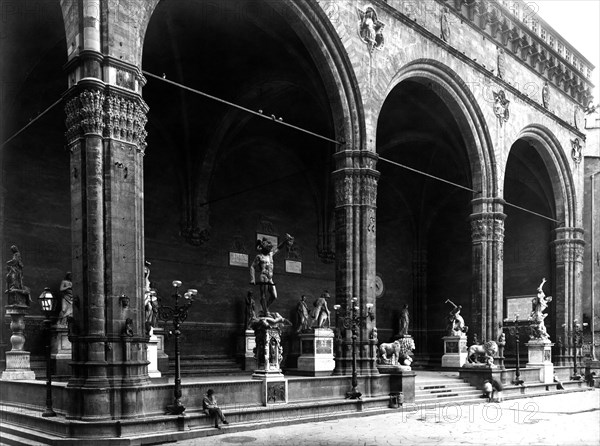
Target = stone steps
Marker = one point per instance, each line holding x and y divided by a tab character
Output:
201	366
445	390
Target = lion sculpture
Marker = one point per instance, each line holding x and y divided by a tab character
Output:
483	354
397	352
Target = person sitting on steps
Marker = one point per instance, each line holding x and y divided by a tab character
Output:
212	409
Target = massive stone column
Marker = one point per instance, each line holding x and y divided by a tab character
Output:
568	255
106	138
355	182
487	234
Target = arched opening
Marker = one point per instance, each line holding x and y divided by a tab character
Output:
216	178
424	236
35	204
528	237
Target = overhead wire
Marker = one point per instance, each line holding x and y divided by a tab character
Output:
280	121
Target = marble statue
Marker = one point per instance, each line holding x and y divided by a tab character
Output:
150	309
250	309
303	317
397	352
483	354
262	266
404	321
538	306
66	292
320	312
456	323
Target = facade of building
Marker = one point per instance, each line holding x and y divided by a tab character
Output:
132	167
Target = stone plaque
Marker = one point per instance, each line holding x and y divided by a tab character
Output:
293	266
518	305
451	347
276	392
238	259
324	346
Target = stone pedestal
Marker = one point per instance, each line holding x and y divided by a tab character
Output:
249	346
269	354
162	357
153	371
539	353
455	351
316	352
60	351
18	364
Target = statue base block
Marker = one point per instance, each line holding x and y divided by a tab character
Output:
18	366
388	369
61	351
316	352
153	371
540	355
455	351
275	387
249	345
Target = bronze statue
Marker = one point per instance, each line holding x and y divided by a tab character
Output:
14	277
263	265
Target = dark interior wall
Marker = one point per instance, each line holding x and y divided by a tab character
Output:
228	175
417	214
528	238
35	194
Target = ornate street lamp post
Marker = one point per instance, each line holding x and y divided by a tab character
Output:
46	300
176	313
351	319
514	331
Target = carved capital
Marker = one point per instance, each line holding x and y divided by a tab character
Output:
343	190
569	251
125	119
84	115
369	190
487	227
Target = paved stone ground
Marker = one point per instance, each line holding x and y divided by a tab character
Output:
569	419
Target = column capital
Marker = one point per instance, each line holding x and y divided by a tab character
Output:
487	226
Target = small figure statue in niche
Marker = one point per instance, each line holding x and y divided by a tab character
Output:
370	29
66	292
321	313
263	265
404	321
456	323
303	318
14	278
250	310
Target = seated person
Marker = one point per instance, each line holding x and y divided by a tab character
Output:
211	408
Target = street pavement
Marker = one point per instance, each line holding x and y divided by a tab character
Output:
563	419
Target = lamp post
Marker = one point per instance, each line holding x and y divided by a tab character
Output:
514	331
353	320
177	314
46	300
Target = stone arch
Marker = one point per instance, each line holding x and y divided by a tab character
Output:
455	93
557	164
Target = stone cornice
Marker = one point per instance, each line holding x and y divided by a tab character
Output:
487	73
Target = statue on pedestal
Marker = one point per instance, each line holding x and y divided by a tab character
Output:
403	321
483	354
321	313
150	309
396	353
538	306
303	316
263	267
66	292
456	323
14	277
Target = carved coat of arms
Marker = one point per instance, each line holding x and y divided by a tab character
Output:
370	29
501	106
546	95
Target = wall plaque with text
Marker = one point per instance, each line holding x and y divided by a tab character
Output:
238	259
293	266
